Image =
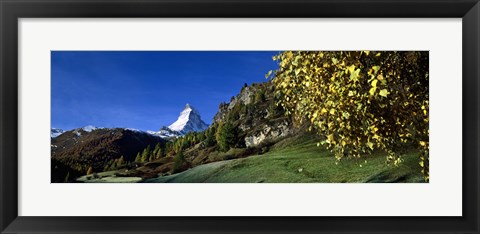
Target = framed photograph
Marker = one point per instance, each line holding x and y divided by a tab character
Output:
239	116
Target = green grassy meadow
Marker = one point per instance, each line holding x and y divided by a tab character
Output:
300	160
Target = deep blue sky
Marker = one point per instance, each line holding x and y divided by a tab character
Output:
147	90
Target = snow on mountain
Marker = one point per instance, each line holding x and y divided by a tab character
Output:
90	128
188	121
54	132
161	133
167	132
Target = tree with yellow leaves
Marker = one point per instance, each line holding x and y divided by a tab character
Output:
359	101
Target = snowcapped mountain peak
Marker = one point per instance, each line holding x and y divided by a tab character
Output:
89	128
163	133
190	108
188	121
54	132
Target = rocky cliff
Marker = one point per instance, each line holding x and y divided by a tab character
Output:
257	116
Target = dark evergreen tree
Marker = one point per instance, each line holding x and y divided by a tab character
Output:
138	158
178	161
120	161
210	136
226	136
146	154
159	153
155	151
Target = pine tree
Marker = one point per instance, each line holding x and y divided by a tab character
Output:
120	161
178	161
159	153
146	154
210	136
138	158
90	171
155	151
226	136
168	148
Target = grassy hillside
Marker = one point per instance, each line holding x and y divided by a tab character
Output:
299	160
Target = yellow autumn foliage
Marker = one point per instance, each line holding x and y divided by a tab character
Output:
359	101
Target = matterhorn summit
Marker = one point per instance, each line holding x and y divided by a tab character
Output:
188	121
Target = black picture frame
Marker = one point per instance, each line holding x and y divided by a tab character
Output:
12	10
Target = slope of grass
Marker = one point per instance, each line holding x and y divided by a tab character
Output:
107	177
299	160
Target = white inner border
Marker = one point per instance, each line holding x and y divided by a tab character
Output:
441	197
